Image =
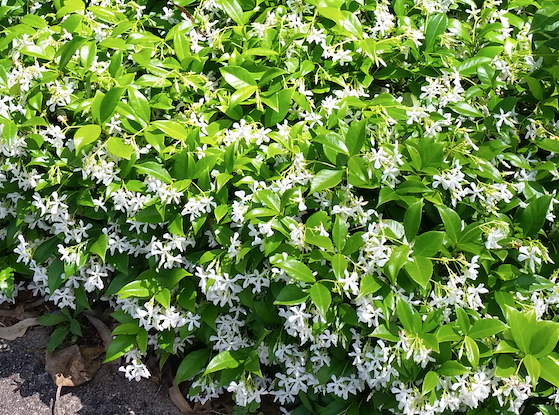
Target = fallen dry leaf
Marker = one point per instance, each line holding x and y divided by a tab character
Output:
178	399
72	366
18	329
77	365
103	330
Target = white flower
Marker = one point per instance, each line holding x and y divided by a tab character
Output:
531	254
508	118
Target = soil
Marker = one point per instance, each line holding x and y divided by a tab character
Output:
27	389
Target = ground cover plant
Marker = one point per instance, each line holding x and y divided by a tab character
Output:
346	205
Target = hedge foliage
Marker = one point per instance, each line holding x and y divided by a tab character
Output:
346	204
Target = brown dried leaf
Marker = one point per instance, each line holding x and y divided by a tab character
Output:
18	329
103	330
178	399
73	366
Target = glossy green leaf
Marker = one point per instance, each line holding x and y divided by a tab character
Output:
321	297
452	223
472	351
99	247
428	244
237	76
549	370
233	9
412	219
429	382
291	294
452	368
436	26
155	170
117	147
420	270
532	365
109	104
397	260
192	364
86	135
297	270
224	360
486	327
325	179
533	217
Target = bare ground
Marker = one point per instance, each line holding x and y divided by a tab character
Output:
27	389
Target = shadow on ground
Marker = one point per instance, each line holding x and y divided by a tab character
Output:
27	389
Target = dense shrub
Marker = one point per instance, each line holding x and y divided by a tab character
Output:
347	205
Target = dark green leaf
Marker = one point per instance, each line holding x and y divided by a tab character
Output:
192	364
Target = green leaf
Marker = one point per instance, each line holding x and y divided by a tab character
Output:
472	351
270	199
321	297
224	360
325	179
533	217
138	289
486	327
173	129
522	326
545	339
57	337
339	265
412	219
549	370
99	247
233	9
119	148
387	333
452	223
532	365
535	87
428	244
332	141
506	366
463	320
291	294
68	49
356	136
237	77
408	317
119	346
339	232
429	382
154	169
463	108
53	319
436	26
452	368
163	297
297	270
7	281
446	333
109	103
242	94
192	364
420	270
139	104
397	260
368	285
86	135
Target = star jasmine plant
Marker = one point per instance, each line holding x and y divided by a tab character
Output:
340	206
